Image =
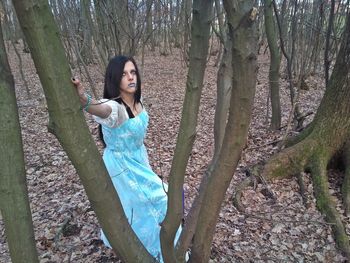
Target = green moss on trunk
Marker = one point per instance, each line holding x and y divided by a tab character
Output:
325	203
323	140
290	161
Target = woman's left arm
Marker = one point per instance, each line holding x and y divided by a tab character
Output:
89	104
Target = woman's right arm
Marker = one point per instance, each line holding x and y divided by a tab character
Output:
91	105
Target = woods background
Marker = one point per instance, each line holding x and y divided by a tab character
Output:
211	60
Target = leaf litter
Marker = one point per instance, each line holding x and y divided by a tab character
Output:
66	228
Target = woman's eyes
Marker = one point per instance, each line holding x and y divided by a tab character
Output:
132	73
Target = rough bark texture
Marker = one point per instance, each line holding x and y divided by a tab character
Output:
241	19
326	138
202	12
69	126
14	201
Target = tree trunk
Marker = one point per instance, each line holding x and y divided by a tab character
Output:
275	60
224	83
289	58
187	4
241	19
68	125
202	12
102	54
149	23
14	202
326	138
86	43
326	49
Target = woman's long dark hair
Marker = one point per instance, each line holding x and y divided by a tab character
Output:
113	77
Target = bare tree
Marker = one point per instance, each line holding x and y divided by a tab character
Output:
241	20
202	12
326	138
67	123
14	201
275	61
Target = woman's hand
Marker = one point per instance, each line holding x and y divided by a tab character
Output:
81	92
79	87
89	104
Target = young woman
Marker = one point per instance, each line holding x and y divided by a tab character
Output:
124	122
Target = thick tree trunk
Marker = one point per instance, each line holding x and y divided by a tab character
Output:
202	11
326	138
241	18
68	125
275	60
14	202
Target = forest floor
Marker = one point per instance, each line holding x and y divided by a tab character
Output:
281	230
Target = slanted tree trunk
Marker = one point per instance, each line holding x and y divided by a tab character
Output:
14	202
275	61
67	123
326	138
241	19
202	11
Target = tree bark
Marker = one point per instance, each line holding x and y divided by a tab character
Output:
224	84
149	23
327	45
224	87
14	201
202	12
86	43
275	61
186	5
68	125
241	19
325	139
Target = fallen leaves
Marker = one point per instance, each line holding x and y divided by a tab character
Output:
66	228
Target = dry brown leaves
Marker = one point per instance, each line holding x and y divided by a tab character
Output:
66	228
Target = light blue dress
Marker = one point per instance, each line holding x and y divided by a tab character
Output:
141	191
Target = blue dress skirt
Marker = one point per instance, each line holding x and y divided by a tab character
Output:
141	191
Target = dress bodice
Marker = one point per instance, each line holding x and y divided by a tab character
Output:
129	136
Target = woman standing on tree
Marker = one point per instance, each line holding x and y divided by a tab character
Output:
124	122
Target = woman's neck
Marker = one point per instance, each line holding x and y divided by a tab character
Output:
128	99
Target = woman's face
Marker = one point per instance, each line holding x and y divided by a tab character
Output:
129	79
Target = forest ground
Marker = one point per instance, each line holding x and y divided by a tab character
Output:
281	230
